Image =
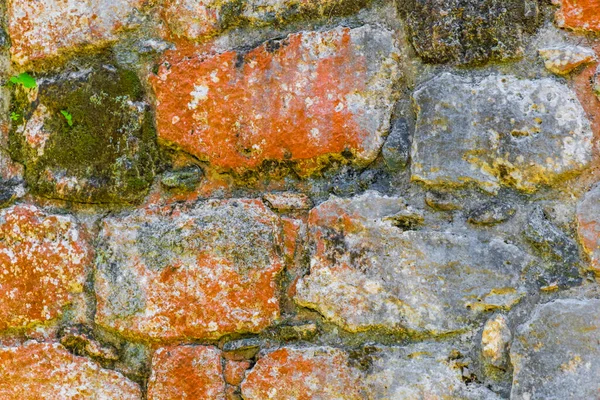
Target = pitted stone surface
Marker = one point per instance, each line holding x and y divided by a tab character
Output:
367	273
43	262
186	372
49	28
176	272
467	31
555	354
303	374
48	371
299	99
498	130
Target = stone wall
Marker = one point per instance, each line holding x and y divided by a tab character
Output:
299	199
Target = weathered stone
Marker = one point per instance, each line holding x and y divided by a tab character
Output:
555	354
562	60
396	150
578	14
288	201
588	226
48	28
366	273
235	371
498	130
83	344
48	371
201	19
182	179
243	349
491	213
299	99
423	371
183	271
442	201
495	339
43	260
186	372
467	31
308	373
104	153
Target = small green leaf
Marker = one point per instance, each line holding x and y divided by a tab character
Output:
24	79
14	116
67	116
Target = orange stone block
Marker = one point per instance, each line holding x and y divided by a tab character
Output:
310	95
43	260
303	374
37	371
235	371
186	372
190	272
578	14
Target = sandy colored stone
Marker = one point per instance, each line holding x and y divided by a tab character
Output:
43	262
564	59
48	28
578	14
287	201
37	371
495	339
368	273
185	271
498	130
186	372
555	354
303	374
298	99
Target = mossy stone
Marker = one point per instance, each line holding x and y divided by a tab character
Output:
105	155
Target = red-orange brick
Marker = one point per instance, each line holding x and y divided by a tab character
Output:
186	372
43	261
310	95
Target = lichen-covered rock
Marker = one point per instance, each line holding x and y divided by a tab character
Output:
182	271
48	28
43	262
467	31
186	372
495	339
300	99
491	213
423	371
48	371
499	130
201	19
588	226
85	136
564	59
303	374
555	354
578	14
368	273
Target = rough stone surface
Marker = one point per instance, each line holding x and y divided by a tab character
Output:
48	28
396	150
175	272
202	19
106	154
495	339
491	213
562	60
467	31
367	273
43	262
288	201
498	130
578	14
588	226
424	371
555	354
303	374
48	371
235	371
186	372
299	99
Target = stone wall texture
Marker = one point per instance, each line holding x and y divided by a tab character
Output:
299	199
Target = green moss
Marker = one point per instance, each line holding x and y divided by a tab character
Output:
108	151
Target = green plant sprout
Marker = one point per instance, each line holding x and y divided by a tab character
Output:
24	79
67	116
14	116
